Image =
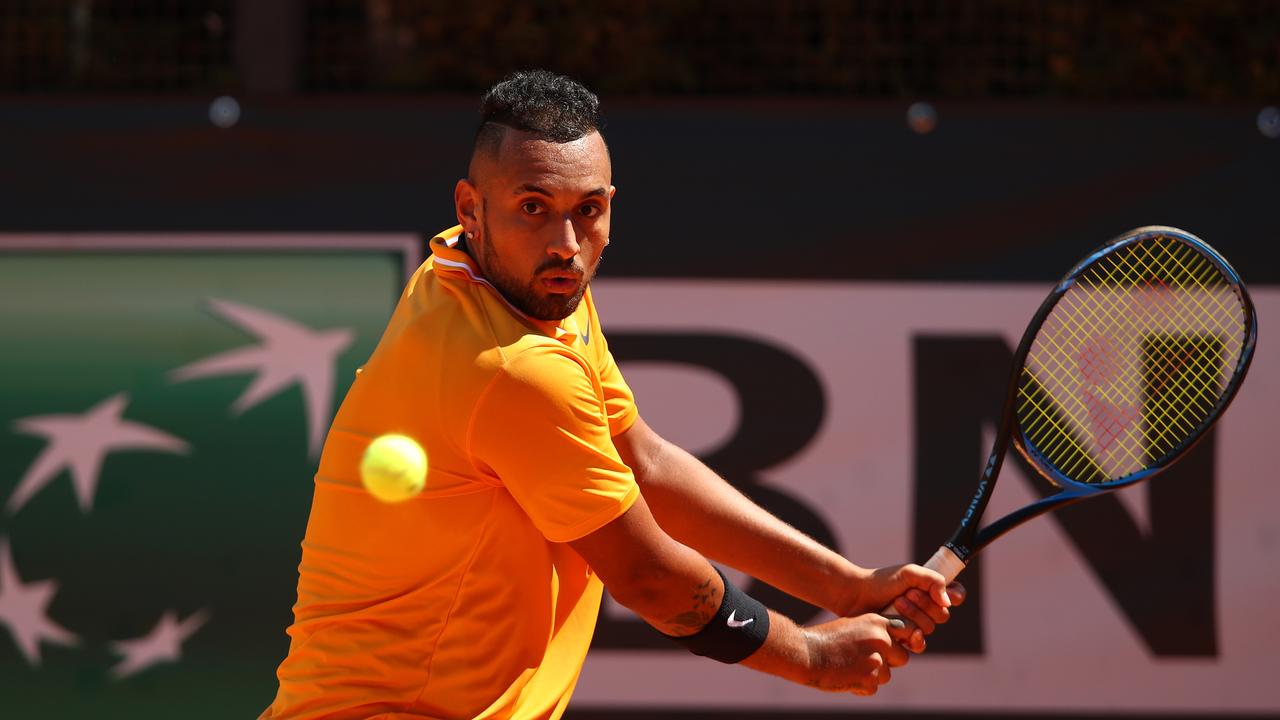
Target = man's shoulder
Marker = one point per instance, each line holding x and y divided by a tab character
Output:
473	337
542	361
536	382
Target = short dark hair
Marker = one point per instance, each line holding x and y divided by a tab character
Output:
554	107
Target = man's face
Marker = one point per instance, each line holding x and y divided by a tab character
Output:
538	212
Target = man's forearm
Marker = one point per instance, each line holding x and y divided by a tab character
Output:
699	509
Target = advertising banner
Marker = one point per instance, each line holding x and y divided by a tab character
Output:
862	413
163	399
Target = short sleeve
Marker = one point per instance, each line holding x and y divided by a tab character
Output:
619	402
541	427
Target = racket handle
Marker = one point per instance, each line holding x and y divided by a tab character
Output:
945	562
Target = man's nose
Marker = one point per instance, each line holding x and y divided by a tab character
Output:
565	243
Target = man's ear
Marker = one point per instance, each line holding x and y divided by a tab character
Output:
466	202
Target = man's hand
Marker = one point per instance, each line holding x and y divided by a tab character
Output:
924	612
912	591
854	654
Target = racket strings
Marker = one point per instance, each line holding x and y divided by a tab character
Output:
1109	415
1197	397
1145	322
1199	316
1166	374
1168	361
1131	361
1056	438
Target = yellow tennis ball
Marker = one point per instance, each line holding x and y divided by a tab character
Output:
394	468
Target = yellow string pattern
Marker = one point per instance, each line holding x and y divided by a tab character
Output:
1131	361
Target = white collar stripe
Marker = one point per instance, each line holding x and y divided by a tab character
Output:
471	274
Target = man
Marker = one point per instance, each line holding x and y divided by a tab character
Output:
478	597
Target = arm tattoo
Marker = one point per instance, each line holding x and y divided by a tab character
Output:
705	604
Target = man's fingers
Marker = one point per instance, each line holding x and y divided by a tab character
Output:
925	603
957	593
900	629
895	655
883	675
938	591
922	577
912	612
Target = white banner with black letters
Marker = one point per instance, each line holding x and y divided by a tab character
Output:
861	413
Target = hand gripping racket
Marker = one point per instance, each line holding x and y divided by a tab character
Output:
1128	362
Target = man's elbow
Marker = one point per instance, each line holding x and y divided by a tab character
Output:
643	450
642	587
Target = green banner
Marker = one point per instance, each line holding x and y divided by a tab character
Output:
161	414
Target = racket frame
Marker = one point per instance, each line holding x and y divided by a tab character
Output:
968	539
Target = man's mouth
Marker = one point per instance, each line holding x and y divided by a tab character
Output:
560	281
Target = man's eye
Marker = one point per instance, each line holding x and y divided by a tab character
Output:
531	208
591	210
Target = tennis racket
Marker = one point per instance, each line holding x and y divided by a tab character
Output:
1128	362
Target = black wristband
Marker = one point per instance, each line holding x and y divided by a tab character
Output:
738	629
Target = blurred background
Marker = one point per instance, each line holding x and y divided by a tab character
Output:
207	211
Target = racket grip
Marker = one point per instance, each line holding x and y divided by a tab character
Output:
946	563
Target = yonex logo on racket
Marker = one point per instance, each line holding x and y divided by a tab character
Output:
977	496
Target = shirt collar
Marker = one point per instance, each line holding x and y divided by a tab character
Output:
450	256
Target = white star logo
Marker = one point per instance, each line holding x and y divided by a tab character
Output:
22	609
162	644
81	443
288	353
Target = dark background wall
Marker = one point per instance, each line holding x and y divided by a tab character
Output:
1060	123
707	188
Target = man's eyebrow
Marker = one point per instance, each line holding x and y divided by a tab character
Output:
539	190
531	188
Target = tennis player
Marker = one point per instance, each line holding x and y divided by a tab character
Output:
478	597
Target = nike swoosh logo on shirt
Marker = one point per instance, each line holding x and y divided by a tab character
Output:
739	623
586	334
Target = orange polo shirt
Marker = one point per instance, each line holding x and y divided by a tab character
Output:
464	601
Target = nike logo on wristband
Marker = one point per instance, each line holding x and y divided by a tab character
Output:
739	623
